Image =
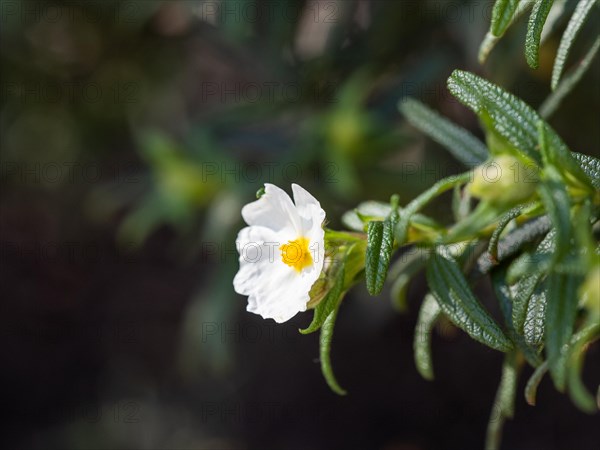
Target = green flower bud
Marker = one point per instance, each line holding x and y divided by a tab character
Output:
504	180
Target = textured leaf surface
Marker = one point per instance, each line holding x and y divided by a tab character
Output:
380	244
457	301
513	120
537	19
502	15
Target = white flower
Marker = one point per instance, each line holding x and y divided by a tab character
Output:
281	252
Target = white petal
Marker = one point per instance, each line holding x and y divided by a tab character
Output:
258	248
308	207
273	210
312	216
283	294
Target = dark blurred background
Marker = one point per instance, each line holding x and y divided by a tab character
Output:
133	131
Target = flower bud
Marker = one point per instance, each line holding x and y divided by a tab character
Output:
504	180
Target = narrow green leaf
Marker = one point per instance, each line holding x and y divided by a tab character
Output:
537	19
329	303
571	80
524	290
325	350
577	20
490	40
463	145
533	328
428	315
502	224
555	198
561	309
590	165
457	301
380	244
502	15
513	120
577	390
504	403
505	300
507	115
534	382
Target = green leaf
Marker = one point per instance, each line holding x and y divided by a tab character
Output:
463	145
504	403
591	166
490	41
428	315
502	15
457	301
561	310
513	120
535	318
577	20
534	382
577	390
502	224
554	100
325	350
380	245
330	303
505	299
504	113
555	198
524	290
537	19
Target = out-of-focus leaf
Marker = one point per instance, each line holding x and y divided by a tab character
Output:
325	350
554	100
534	382
577	390
504	403
329	303
577	20
502	15
462	144
428	315
457	301
537	19
402	272
561	309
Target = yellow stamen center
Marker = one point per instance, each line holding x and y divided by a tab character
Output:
296	254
